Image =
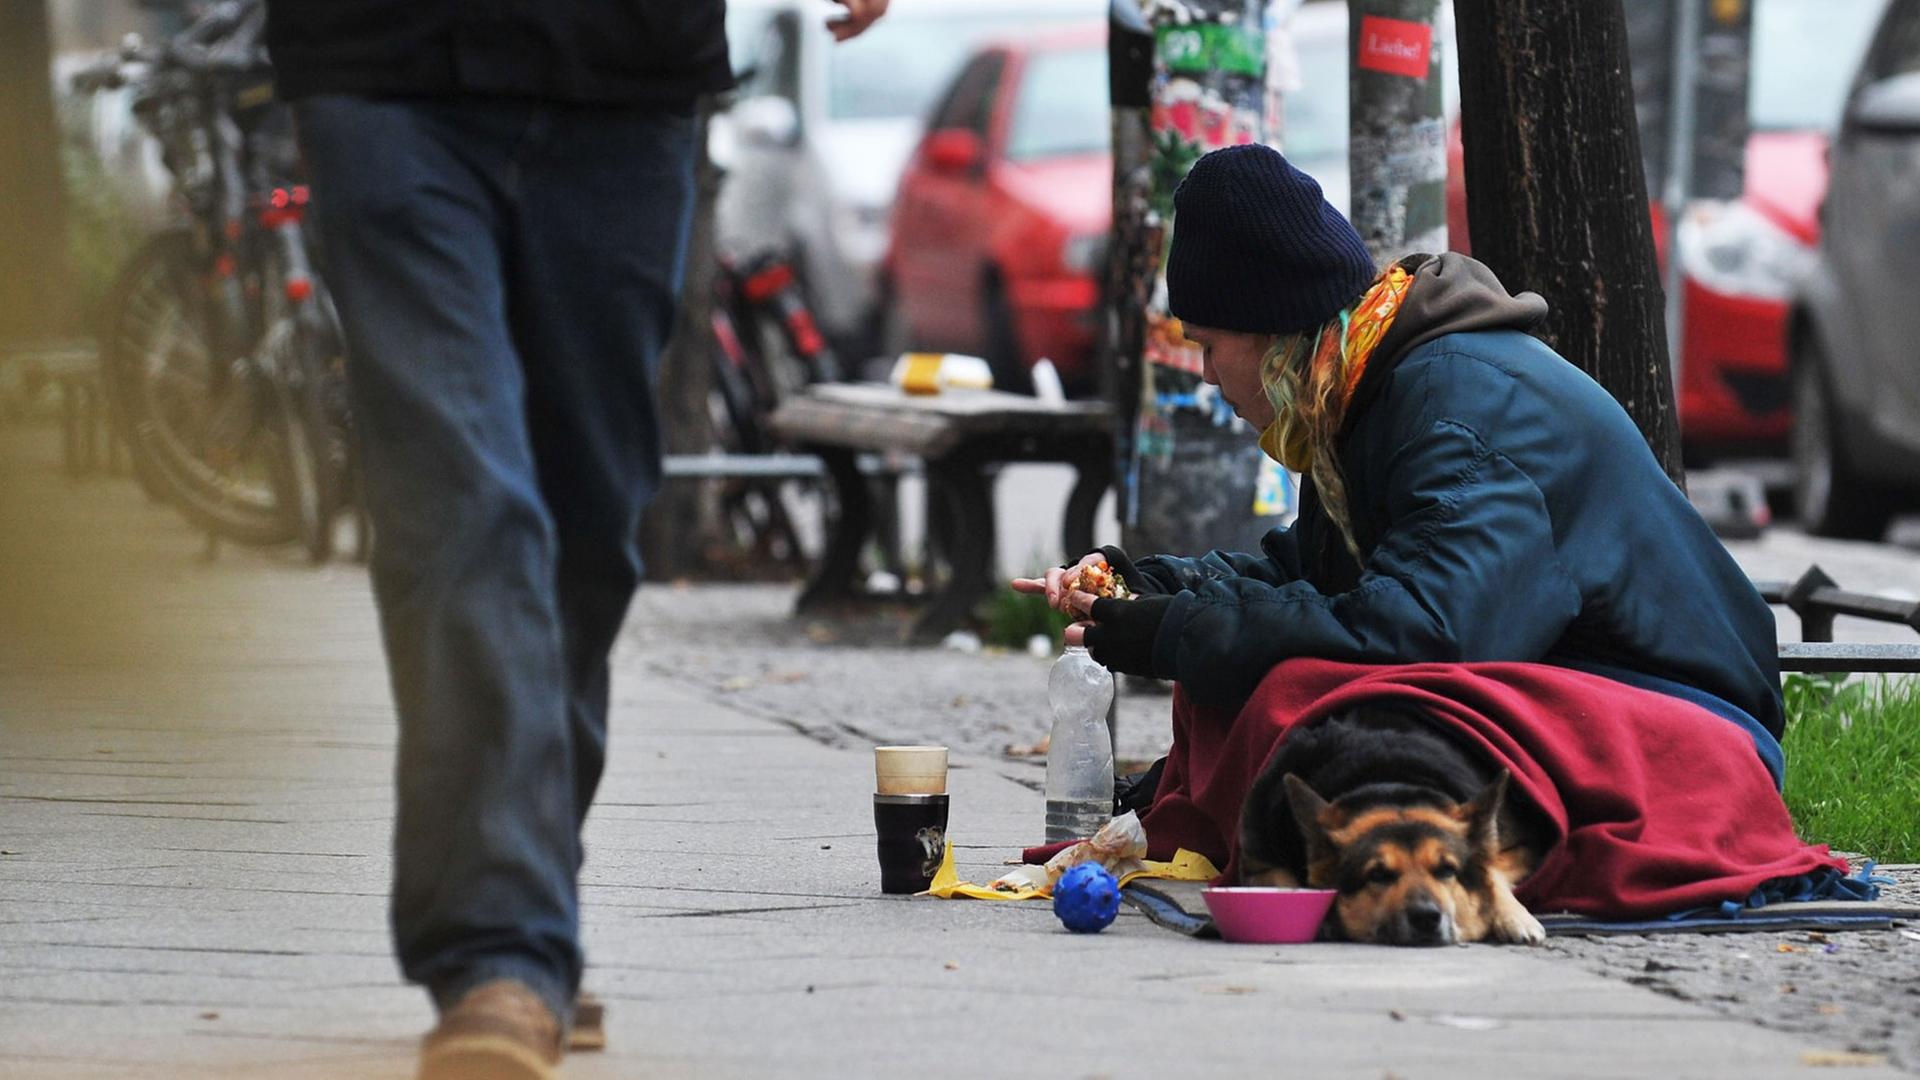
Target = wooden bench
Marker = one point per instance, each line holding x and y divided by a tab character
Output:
961	436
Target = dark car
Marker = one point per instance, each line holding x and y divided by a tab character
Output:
1854	332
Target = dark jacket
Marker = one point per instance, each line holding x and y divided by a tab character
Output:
607	52
1507	508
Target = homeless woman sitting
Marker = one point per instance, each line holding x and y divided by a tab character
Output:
1468	495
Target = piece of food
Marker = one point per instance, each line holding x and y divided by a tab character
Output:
1100	580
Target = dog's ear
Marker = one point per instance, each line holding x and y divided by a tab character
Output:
1316	816
1482	814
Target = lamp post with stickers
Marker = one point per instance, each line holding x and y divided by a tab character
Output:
1187	77
1397	127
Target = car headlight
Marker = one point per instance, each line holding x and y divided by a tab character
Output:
1084	254
1731	248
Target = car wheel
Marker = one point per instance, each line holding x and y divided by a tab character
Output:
1829	497
1003	343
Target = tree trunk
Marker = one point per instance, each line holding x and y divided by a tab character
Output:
34	293
1556	195
1397	127
680	523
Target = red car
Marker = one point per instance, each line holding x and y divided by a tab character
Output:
1739	261
1000	224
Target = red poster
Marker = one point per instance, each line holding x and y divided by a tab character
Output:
1395	46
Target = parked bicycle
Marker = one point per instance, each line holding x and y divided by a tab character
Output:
766	346
223	356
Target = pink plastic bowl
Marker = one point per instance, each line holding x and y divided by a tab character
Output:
1263	916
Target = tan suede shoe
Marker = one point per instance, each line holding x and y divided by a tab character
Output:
500	1030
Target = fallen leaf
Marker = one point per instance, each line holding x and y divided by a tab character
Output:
1841	1059
789	677
953	965
1828	1009
1816	937
1038	749
737	683
1396	1014
1233	990
209	1016
1784	947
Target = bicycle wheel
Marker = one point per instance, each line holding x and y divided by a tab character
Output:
137	316
296	415
733	403
196	421
738	404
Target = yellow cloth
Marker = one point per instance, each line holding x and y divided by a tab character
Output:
1185	866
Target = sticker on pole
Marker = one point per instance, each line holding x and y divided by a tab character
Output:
1395	46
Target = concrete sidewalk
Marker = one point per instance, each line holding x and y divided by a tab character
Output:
194	815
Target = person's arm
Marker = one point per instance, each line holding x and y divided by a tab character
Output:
1277	564
1164	575
1467	571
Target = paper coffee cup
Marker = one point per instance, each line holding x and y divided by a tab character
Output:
910	770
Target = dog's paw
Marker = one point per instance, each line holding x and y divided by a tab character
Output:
1517	926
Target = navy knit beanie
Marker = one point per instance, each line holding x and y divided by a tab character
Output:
1257	249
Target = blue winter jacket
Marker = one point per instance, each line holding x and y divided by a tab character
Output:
1507	508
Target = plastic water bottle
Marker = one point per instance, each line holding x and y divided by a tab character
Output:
1080	751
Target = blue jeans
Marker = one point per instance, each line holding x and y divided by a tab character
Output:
507	272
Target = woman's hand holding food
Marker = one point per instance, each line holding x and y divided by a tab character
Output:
1104	576
1060	586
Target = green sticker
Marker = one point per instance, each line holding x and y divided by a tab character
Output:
1204	47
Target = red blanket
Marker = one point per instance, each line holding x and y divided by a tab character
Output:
1661	806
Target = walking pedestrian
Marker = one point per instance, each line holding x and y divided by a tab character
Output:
504	193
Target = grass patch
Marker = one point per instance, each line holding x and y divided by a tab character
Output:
1013	617
1853	764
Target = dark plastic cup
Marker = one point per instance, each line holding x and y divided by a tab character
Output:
913	840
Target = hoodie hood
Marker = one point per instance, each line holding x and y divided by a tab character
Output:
1454	294
1451	294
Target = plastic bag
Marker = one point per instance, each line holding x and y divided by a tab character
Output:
1120	846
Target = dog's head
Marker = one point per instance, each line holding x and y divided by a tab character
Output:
1412	874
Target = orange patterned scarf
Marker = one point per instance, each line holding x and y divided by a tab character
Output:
1310	377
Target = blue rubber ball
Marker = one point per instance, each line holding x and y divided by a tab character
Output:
1086	898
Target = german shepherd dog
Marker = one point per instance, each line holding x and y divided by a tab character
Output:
1422	839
